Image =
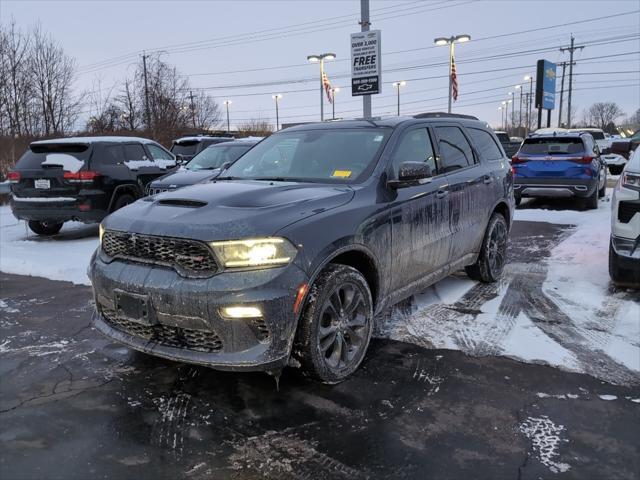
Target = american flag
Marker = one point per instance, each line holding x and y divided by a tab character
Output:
454	79
327	87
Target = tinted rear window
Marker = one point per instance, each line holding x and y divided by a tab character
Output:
552	145
37	154
185	148
503	137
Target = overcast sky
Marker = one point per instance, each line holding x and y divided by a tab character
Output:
210	40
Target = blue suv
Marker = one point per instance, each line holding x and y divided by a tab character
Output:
559	165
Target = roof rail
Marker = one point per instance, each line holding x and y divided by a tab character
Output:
444	115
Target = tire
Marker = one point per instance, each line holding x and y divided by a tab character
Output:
615	169
591	202
493	253
338	314
518	199
614	270
602	191
122	201
44	227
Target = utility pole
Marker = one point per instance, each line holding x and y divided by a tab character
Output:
571	49
193	109
564	67
364	27
146	90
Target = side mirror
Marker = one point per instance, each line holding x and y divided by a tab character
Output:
410	174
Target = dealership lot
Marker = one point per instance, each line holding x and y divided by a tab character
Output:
436	394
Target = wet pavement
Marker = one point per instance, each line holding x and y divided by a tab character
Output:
75	405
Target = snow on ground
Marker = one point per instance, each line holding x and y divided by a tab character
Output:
64	256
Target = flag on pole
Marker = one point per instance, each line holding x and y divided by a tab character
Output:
454	79
327	87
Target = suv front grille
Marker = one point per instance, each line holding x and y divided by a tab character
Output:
189	257
189	339
626	210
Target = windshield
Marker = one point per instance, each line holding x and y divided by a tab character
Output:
185	148
336	155
215	156
503	137
552	145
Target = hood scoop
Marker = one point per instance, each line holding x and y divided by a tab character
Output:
181	202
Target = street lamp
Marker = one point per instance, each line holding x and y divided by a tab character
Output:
334	90
399	84
530	78
277	97
501	116
227	103
450	41
519	87
505	108
512	108
321	59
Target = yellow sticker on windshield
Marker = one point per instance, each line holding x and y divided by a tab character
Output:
341	173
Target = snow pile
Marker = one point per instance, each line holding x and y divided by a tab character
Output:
64	256
68	162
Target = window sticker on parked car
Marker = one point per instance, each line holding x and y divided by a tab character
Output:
378	138
341	173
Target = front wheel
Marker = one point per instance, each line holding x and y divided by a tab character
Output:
493	254
44	227
122	201
336	325
602	182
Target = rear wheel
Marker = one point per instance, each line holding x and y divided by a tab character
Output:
45	227
602	182
122	201
518	199
591	202
336	324
488	268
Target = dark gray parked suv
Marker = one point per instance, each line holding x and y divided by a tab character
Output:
286	258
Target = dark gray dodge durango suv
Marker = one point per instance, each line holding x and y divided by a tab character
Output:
286	258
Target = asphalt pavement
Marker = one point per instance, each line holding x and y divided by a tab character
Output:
74	405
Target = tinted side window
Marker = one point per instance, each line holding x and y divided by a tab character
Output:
158	153
112	155
134	151
415	146
454	148
485	144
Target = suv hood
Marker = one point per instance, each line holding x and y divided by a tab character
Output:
184	177
228	210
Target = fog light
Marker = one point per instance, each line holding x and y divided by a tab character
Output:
241	312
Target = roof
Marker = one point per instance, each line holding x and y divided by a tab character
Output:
87	140
586	129
564	133
391	121
240	142
200	138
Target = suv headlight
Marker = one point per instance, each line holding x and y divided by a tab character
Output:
254	252
631	180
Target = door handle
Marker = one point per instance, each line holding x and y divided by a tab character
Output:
442	193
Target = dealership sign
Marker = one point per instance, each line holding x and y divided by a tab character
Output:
546	85
365	63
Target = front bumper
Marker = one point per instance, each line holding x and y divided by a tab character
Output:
184	322
554	187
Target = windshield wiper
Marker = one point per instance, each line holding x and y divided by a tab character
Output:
283	179
228	178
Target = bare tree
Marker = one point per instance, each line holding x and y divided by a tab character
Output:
255	126
205	111
52	72
602	114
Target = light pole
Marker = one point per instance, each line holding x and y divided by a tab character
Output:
227	103
530	78
399	84
501	116
320	59
505	107
277	97
512	108
450	41
334	90
519	87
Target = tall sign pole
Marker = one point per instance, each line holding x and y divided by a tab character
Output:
364	27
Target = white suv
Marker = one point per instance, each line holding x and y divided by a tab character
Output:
624	248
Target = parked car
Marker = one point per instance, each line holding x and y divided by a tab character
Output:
565	164
626	146
615	162
624	247
205	166
82	178
604	144
285	259
185	148
510	146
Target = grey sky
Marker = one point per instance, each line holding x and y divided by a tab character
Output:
94	31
